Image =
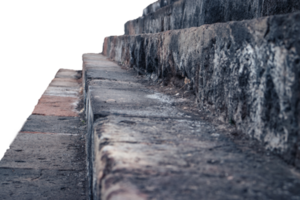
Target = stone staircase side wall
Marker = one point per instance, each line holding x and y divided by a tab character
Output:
157	5
194	13
246	72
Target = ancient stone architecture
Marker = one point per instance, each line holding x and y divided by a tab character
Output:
241	59
165	15
198	100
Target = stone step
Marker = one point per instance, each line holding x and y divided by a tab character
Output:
245	72
172	15
141	145
157	5
47	159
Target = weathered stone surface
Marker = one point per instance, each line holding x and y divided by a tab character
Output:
157	5
147	158
137	154
245	72
44	151
171	15
25	184
47	158
127	98
52	124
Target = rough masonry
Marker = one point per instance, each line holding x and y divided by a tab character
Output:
166	15
245	72
142	145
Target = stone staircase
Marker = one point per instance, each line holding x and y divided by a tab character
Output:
198	100
144	144
245	72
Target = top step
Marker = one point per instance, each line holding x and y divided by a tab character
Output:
165	15
157	5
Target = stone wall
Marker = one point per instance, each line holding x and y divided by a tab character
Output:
247	73
157	5
173	14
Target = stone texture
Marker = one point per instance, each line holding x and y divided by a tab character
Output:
138	150
157	5
47	159
245	72
152	8
129	98
172	15
25	184
52	124
44	151
147	158
56	106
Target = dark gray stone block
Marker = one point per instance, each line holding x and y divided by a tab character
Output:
245	72
173	15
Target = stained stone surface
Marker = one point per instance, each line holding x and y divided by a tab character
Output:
47	159
179	14
138	150
52	124
44	184
146	158
245	73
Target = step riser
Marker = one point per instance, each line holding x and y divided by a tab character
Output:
194	13
245	72
157	5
